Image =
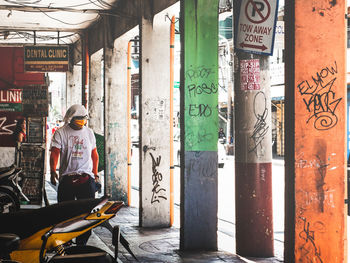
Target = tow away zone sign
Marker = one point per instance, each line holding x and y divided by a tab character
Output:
256	26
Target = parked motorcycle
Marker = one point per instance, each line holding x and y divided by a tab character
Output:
45	235
10	190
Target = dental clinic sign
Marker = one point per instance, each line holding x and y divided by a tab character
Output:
46	58
256	26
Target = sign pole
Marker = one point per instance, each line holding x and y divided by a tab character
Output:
253	143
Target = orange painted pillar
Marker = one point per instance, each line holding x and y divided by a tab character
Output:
315	131
171	125
128	112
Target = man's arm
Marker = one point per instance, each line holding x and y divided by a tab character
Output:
55	153
95	158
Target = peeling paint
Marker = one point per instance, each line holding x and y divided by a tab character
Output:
333	2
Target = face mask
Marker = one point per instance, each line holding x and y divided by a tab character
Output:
80	123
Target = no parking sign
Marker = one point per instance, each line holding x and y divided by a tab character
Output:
256	26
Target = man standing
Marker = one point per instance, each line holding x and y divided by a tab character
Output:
75	144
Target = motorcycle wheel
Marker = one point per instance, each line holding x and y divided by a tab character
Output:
9	201
84	254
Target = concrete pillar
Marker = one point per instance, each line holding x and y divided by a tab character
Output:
96	93
115	70
85	70
73	86
315	131
253	157
154	119
199	125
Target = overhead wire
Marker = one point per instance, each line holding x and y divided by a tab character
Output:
71	24
30	4
94	3
29	36
106	4
36	9
80	5
21	2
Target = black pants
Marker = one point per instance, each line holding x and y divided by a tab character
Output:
67	192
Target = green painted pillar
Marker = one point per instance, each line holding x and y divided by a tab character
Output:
199	122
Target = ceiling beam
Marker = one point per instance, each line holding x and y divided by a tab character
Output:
117	27
29	8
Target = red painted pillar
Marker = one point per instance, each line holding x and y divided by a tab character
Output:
315	131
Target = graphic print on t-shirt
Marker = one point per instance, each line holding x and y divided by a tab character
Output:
77	146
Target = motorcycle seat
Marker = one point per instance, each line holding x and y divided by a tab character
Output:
25	223
8	243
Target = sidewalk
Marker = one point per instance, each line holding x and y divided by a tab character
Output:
155	245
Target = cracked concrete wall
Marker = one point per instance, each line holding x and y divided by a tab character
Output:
74	86
96	93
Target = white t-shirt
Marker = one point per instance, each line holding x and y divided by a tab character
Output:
75	149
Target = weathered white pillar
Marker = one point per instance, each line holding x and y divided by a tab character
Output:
73	86
155	130
115	63
96	93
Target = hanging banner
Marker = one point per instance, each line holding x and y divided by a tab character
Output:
46	58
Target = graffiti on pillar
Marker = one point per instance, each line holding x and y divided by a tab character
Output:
157	191
203	165
197	136
321	172
260	127
5	129
201	108
200	87
320	99
310	251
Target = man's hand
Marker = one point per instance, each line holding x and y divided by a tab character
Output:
54	177
98	183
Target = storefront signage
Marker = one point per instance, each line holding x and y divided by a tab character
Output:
11	100
46	58
35	101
